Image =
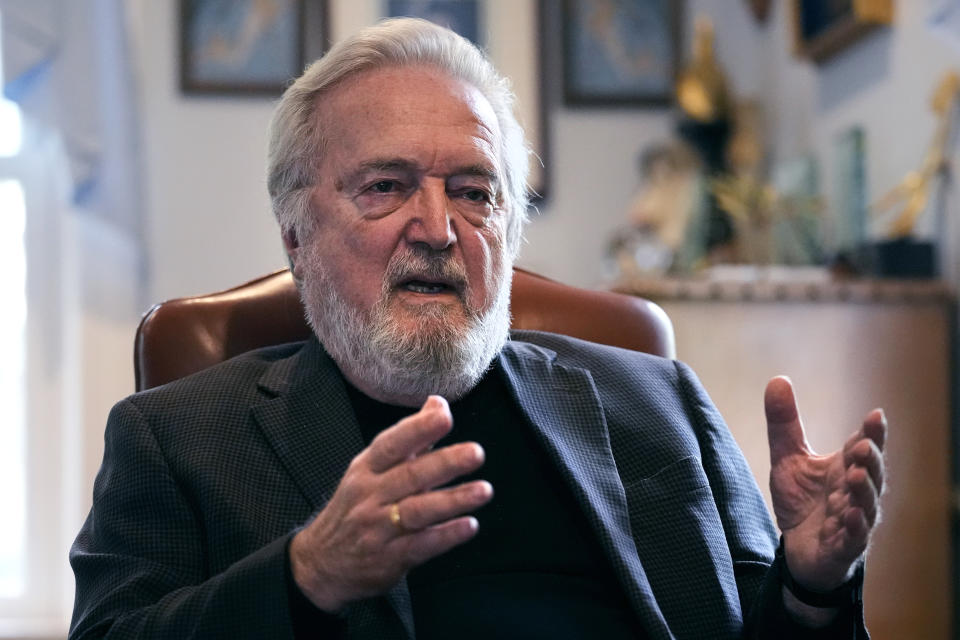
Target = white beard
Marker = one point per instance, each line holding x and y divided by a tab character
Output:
448	353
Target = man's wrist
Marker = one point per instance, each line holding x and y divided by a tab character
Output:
306	619
847	594
304	575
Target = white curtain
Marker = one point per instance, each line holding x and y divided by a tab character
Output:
67	64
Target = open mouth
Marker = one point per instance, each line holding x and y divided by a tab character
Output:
427	287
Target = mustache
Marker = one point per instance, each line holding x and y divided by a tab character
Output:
426	265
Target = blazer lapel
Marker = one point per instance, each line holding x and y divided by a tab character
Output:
307	418
563	407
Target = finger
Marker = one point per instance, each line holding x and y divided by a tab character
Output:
423	545
430	470
863	493
857	533
875	427
410	436
428	509
784	428
864	453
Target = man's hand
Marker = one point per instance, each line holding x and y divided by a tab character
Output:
826	506
354	548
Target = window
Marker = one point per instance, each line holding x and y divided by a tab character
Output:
12	391
33	571
12	346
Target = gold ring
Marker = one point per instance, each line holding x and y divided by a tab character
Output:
395	516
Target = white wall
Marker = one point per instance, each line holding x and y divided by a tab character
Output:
594	179
208	216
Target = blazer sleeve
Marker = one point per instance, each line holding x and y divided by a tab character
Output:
139	558
749	532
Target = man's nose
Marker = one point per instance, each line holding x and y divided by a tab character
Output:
430	222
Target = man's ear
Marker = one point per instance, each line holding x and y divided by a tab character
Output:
291	243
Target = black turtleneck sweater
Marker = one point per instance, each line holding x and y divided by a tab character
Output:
535	568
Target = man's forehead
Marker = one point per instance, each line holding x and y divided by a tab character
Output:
406	94
411	116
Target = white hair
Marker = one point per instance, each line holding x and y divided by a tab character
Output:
297	131
443	356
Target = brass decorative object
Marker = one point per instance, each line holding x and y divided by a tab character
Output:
702	87
911	195
705	124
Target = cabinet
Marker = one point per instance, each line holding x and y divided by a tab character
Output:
848	347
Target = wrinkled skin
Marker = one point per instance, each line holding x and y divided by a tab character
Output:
826	505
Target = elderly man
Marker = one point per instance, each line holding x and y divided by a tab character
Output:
345	486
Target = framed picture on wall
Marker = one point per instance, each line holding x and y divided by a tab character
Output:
462	16
247	46
620	52
823	28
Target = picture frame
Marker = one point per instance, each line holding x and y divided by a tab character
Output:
628	56
463	16
248	47
824	28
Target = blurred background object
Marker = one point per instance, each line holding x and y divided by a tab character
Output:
920	191
657	238
824	28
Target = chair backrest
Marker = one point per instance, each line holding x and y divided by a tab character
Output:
183	336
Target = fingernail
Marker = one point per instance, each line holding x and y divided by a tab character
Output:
484	489
435	402
478	453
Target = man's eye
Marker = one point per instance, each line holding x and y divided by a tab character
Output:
476	195
384	186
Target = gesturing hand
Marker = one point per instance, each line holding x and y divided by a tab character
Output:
355	547
826	506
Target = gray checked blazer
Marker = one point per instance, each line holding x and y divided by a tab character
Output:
204	481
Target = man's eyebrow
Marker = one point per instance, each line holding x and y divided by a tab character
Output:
480	171
401	164
386	164
349	178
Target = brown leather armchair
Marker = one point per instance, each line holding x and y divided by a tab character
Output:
183	336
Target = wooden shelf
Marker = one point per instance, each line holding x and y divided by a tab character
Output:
783	290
